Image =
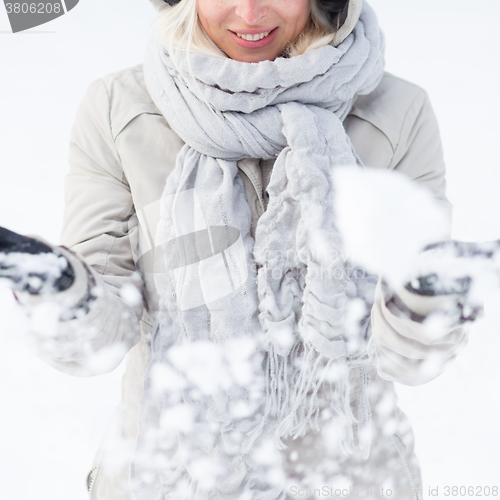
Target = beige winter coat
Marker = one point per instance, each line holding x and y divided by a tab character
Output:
121	152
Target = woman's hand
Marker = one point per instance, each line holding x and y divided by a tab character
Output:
454	268
418	328
29	265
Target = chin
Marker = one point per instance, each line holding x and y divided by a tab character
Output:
253	58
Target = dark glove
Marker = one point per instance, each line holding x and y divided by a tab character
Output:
31	266
457	257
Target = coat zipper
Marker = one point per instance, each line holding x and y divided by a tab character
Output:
92	481
405	464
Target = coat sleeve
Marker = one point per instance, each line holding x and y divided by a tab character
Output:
107	296
408	348
419	152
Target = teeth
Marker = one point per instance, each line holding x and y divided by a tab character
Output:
253	38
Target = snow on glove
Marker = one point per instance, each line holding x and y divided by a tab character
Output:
421	326
455	268
29	265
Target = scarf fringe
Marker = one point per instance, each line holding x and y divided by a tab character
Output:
295	406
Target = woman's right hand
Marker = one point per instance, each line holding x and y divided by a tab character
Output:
461	269
29	265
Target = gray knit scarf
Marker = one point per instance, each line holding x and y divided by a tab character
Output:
251	340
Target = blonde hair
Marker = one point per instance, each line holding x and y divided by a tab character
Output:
179	28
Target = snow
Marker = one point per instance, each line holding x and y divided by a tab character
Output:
51	424
369	205
130	294
39	272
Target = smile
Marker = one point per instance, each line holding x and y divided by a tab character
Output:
253	38
254	41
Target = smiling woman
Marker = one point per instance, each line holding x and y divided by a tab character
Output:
252	31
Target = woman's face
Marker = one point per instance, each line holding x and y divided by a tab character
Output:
270	25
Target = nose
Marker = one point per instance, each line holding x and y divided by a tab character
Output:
252	11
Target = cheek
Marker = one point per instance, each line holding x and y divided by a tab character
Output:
211	13
296	13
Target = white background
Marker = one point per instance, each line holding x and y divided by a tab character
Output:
50	423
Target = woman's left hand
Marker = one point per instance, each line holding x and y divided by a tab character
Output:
30	265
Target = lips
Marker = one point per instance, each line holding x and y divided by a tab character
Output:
254	44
